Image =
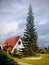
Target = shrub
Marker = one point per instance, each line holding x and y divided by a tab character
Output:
27	52
5	60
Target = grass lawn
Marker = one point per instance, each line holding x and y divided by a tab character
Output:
43	61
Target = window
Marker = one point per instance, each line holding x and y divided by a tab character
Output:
19	43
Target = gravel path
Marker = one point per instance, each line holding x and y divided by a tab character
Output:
35	58
30	58
22	63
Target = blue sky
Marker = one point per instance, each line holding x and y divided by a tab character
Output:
13	14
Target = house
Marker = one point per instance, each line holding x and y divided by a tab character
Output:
42	49
13	43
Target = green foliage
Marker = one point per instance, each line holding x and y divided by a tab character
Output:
15	51
27	52
5	48
30	34
5	60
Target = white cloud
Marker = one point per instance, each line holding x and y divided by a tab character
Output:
47	44
44	37
42	22
14	8
6	27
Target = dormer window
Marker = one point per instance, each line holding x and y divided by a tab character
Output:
19	43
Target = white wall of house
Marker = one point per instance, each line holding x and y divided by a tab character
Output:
17	46
1	46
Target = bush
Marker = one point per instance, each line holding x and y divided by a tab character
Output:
5	60
27	52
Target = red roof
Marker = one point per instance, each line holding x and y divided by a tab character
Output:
10	42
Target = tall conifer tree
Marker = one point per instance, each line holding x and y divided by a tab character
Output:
30	34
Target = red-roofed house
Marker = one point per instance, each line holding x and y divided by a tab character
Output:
13	43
